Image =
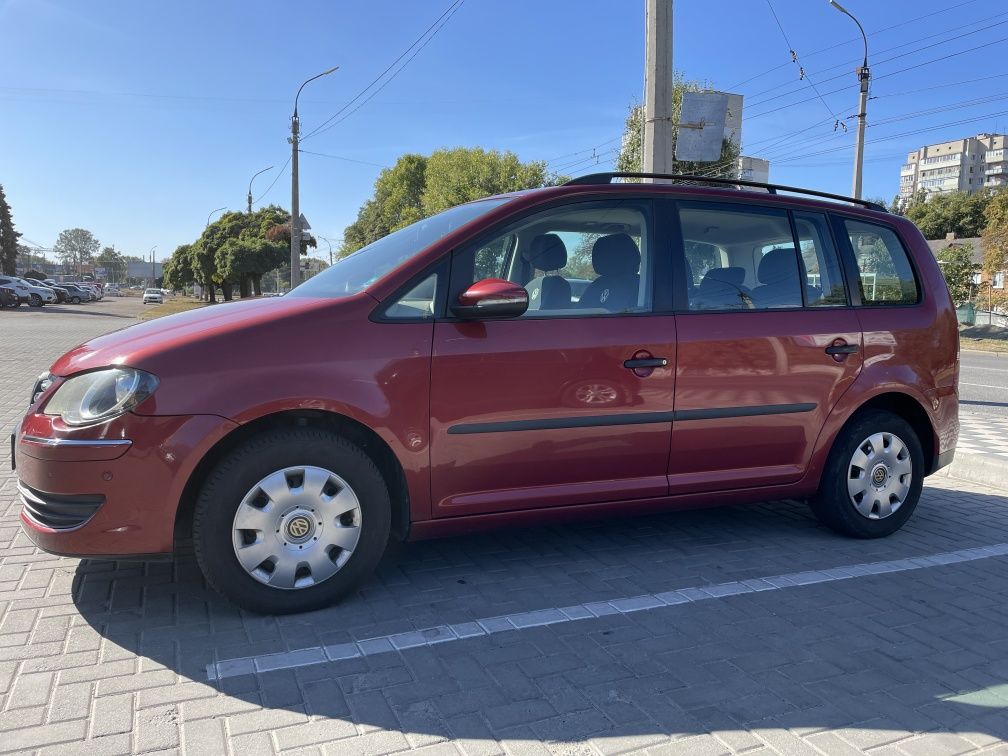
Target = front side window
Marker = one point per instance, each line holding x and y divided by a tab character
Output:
885	273
583	259
356	272
748	262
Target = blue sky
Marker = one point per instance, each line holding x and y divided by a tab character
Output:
136	119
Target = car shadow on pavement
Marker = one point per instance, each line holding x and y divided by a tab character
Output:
924	650
53	310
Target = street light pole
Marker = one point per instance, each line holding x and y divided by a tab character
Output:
250	186
212	214
330	247
864	77
153	277
295	243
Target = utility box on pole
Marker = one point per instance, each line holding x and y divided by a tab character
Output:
658	126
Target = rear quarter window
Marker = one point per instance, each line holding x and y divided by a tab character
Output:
885	274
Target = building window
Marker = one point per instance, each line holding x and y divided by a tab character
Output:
999	279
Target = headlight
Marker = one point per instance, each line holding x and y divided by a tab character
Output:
43	382
101	395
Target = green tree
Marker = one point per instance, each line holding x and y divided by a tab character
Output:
8	237
951	213
631	156
417	187
35	275
995	234
113	262
956	264
178	268
238	248
76	247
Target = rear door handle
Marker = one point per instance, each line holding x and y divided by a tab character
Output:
645	362
842	349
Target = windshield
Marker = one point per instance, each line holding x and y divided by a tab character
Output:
365	266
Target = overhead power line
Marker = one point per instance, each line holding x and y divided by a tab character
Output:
802	74
878	78
418	44
281	172
853	39
340	157
889	137
875	64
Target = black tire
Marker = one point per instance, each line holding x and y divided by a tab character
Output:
228	483
35	300
833	504
75	300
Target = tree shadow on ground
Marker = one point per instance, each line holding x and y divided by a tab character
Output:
924	650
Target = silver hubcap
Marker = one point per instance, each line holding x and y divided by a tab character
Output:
296	527
879	475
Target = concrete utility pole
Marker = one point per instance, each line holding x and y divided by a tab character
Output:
270	168
864	77
658	132
295	244
153	277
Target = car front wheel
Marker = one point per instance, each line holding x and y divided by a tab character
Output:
873	477
35	300
291	521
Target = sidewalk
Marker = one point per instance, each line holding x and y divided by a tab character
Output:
982	452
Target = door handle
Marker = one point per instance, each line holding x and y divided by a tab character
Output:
645	362
836	349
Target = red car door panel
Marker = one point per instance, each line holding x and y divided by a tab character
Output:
542	412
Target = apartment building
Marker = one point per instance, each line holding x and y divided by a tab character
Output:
962	165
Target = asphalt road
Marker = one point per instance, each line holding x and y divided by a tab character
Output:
983	383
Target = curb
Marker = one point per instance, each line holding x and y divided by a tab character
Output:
983	351
982	469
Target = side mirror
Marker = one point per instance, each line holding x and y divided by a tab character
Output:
491	298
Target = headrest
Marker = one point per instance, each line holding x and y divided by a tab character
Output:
731	276
615	255
546	252
778	265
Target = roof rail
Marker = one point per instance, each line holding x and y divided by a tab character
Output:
606	178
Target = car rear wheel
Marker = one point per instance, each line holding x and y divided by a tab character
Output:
291	521
873	477
75	300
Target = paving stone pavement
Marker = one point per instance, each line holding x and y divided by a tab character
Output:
105	658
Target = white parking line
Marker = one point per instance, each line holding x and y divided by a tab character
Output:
430	636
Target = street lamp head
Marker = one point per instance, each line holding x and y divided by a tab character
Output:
839	7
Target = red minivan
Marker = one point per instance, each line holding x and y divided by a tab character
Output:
718	345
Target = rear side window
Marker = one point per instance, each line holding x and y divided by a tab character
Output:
823	280
739	258
885	273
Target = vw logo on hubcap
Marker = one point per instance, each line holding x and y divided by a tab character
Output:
880	475
299	528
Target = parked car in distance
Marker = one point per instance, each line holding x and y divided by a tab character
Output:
731	346
113	290
8	298
153	296
15	285
61	293
77	294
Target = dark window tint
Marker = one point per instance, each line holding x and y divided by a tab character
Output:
748	258
823	280
886	276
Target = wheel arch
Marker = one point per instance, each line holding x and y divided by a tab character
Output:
912	411
370	442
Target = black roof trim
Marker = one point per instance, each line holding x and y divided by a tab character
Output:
606	178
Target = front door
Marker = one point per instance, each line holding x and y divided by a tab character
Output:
767	347
551	409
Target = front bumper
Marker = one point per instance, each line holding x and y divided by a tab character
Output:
111	489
